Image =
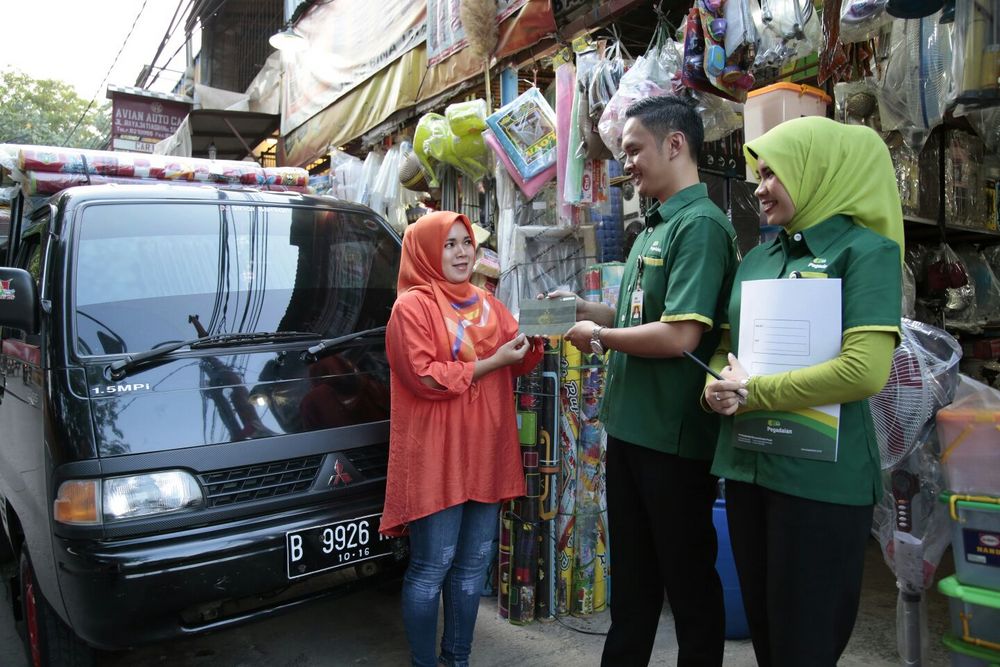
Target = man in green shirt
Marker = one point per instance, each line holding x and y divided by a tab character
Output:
660	442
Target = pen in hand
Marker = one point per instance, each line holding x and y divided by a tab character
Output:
742	399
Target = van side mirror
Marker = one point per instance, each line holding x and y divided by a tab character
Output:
18	300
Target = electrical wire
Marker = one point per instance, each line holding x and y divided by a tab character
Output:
104	80
171	29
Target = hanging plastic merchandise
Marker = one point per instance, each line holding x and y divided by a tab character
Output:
604	81
565	94
861	20
587	64
369	172
718	116
388	198
984	282
728	38
652	75
977	49
913	90
910	524
454	139
345	175
506	234
787	30
856	103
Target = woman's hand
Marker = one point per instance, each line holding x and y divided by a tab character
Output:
727	395
735	370
513	351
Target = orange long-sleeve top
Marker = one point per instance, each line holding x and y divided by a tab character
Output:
451	445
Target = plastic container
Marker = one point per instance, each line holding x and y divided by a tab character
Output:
967	655
975	613
970	450
975	539
736	620
774	104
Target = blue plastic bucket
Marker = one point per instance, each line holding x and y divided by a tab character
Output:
736	619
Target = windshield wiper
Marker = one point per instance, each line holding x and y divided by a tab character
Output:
119	369
313	352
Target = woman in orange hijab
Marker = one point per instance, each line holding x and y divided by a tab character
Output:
454	456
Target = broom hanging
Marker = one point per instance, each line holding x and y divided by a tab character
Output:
479	19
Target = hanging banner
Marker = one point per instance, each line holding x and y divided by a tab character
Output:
348	42
445	34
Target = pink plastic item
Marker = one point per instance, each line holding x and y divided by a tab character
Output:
530	187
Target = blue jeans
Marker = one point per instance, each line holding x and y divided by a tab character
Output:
449	550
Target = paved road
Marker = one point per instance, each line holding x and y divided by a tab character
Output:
366	629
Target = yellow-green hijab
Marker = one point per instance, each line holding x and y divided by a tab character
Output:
830	168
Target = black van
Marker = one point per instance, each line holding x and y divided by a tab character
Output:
194	398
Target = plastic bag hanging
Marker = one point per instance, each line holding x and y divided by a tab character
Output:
913	90
786	29
652	75
861	20
977	50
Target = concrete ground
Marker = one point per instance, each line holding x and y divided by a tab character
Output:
367	630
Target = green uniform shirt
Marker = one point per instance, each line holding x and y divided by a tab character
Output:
684	261
871	293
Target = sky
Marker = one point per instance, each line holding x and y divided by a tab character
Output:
76	41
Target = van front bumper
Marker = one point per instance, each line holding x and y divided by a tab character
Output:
123	593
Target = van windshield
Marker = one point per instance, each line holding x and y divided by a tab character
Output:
148	274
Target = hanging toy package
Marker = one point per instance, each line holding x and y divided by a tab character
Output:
526	131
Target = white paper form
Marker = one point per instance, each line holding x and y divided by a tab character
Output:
786	325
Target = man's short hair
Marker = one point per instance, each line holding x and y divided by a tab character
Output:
666	114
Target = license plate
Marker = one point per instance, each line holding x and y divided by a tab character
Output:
334	545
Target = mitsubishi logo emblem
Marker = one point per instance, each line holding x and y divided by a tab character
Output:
340	475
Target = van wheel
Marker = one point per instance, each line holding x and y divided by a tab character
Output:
48	641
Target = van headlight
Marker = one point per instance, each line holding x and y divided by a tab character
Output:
88	502
152	493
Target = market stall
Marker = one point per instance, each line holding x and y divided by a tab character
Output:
540	171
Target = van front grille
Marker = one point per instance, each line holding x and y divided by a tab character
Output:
371	462
264	480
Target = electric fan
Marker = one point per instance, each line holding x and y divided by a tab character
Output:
920	382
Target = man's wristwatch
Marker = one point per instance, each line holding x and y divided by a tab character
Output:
595	340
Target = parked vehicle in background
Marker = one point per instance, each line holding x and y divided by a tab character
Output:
193	410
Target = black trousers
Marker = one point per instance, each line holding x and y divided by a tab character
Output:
799	563
662	538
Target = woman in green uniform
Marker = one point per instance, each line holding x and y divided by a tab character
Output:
799	526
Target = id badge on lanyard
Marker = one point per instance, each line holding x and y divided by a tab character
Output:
635	306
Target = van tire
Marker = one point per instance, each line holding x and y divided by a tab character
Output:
48	642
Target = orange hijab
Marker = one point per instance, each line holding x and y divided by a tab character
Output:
468	329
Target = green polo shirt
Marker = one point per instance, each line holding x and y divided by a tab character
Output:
688	259
871	294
